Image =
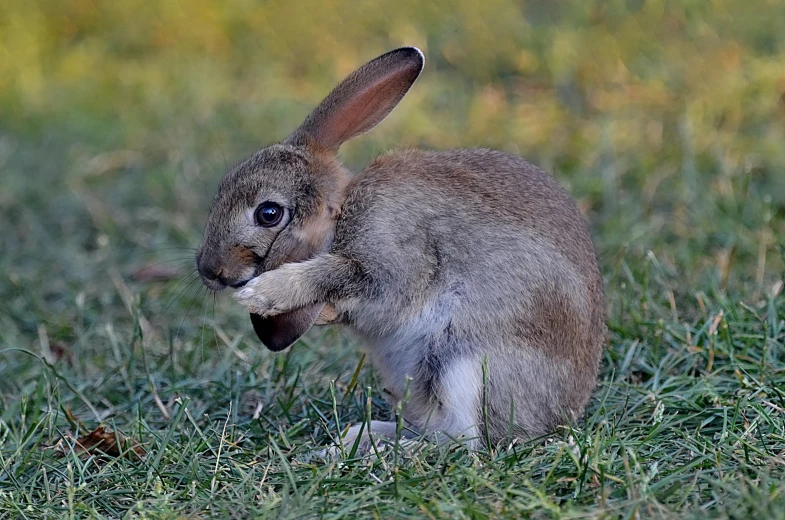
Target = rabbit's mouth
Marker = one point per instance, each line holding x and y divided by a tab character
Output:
218	281
258	268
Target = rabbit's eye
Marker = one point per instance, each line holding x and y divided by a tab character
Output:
268	214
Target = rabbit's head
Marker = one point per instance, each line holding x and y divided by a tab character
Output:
278	206
281	204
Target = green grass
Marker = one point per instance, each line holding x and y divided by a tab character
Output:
665	121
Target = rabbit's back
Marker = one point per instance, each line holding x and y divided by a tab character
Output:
487	248
476	190
465	213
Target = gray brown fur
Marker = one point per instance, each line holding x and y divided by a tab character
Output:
440	261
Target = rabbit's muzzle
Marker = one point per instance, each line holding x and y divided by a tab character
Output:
217	275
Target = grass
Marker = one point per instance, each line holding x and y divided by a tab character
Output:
664	121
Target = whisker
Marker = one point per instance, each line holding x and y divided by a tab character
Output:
185	277
215	334
204	317
185	251
194	276
188	310
217	138
182	261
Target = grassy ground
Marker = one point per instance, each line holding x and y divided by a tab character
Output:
665	121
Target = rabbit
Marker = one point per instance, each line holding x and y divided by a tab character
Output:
469	274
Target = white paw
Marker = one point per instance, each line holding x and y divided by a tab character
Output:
253	296
358	435
380	440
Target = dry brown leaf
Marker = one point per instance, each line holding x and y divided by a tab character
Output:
61	351
155	273
102	442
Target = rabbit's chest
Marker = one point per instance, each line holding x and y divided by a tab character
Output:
398	344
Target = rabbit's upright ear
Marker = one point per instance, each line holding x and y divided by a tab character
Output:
362	100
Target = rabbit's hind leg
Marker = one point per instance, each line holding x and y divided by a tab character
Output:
462	400
455	399
445	405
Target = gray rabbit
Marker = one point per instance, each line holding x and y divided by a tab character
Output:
469	271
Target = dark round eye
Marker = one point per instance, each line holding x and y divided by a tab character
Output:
268	214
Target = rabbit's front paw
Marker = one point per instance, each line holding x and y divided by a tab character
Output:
258	295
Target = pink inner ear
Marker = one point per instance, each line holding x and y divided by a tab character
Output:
362	110
361	101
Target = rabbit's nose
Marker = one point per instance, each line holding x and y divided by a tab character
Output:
208	271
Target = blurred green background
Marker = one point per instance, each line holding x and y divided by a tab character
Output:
665	120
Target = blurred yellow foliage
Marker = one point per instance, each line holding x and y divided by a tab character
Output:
535	75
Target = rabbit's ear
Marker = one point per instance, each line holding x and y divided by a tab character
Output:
362	100
278	332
